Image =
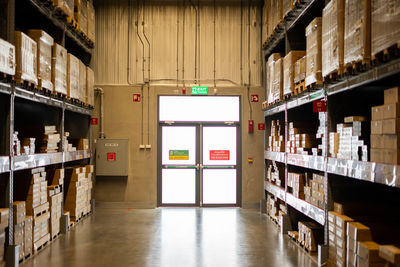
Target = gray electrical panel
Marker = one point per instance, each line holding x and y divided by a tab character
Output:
112	157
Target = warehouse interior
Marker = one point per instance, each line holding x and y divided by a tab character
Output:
199	133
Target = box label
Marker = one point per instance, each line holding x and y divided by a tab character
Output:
137	97
111	156
179	155
219	154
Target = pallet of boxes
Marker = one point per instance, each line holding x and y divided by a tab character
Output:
4	216
78	197
20	236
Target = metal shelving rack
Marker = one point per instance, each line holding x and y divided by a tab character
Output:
385	174
40	14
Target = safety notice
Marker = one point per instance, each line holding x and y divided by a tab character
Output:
179	155
219	154
111	157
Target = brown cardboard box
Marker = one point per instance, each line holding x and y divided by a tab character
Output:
351	244
2	243
340	242
270	76
365	263
377	113
26	57
376	127
332	217
19	211
314	52
377	141
351	258
391	156
277	88
59	69
376	155
72	76
391	141
391	111
369	250
289	63
4	215
358	231
390	126
391	96
341	254
390	253
342	220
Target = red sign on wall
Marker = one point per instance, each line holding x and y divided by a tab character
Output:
219	154
137	97
254	98
94	121
261	126
319	106
111	156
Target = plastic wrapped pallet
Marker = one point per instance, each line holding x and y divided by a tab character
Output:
7	57
91	19
385	25
26	55
59	69
277	87
44	45
287	5
81	15
314	49
89	87
289	64
66	6
82	82
333	37
270	76
300	70
72	76
357	31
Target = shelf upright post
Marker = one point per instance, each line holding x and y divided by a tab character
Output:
286	224
12	253
64	223
263	208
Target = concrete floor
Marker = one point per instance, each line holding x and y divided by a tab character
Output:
173	237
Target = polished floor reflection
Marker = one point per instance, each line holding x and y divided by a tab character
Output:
173	237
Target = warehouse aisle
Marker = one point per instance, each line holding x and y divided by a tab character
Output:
173	237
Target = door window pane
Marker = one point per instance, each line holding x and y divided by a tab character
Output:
178	145
178	186
219	145
219	186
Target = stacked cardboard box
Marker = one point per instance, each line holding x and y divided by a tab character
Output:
385	128
357	31
19	216
273	207
289	64
337	225
314	52
67	6
91	22
350	140
89	87
317	190
368	254
56	177
310	235
300	70
29	146
81	15
72	77
26	58
4	216
16	144
55	198
276	140
270	76
28	236
297	182
7	57
321	133
333	37
44	60
356	233
385	24
391	254
82	82
50	139
68	147
277	86
301	138
275	174
59	69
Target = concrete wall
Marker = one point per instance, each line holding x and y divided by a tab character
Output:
123	120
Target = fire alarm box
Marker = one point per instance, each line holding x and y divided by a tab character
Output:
251	126
112	157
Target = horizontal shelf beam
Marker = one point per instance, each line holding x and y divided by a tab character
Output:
275	190
4	164
5	88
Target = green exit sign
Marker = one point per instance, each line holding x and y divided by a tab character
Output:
199	90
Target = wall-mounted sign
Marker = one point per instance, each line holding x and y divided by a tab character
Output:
199	90
319	106
137	97
254	98
94	121
219	154
179	155
111	156
261	126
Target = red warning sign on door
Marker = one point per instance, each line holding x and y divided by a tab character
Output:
94	121
111	156
219	154
254	98
137	97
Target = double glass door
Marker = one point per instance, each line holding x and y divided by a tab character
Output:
199	165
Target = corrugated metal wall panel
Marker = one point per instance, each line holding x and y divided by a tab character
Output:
171	31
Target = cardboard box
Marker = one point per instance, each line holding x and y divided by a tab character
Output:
26	58
270	76
80	14
358	232
19	212
314	52
82	82
341	254
391	111
391	156
391	96
378	141
333	37
289	63
357	31
377	113
365	263
390	126
390	253
4	216
376	127
72	76
59	69
390	141
277	87
7	58
369	250
376	155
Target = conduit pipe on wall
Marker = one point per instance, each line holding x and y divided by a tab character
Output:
147	41
101	131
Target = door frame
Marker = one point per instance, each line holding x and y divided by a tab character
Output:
198	155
